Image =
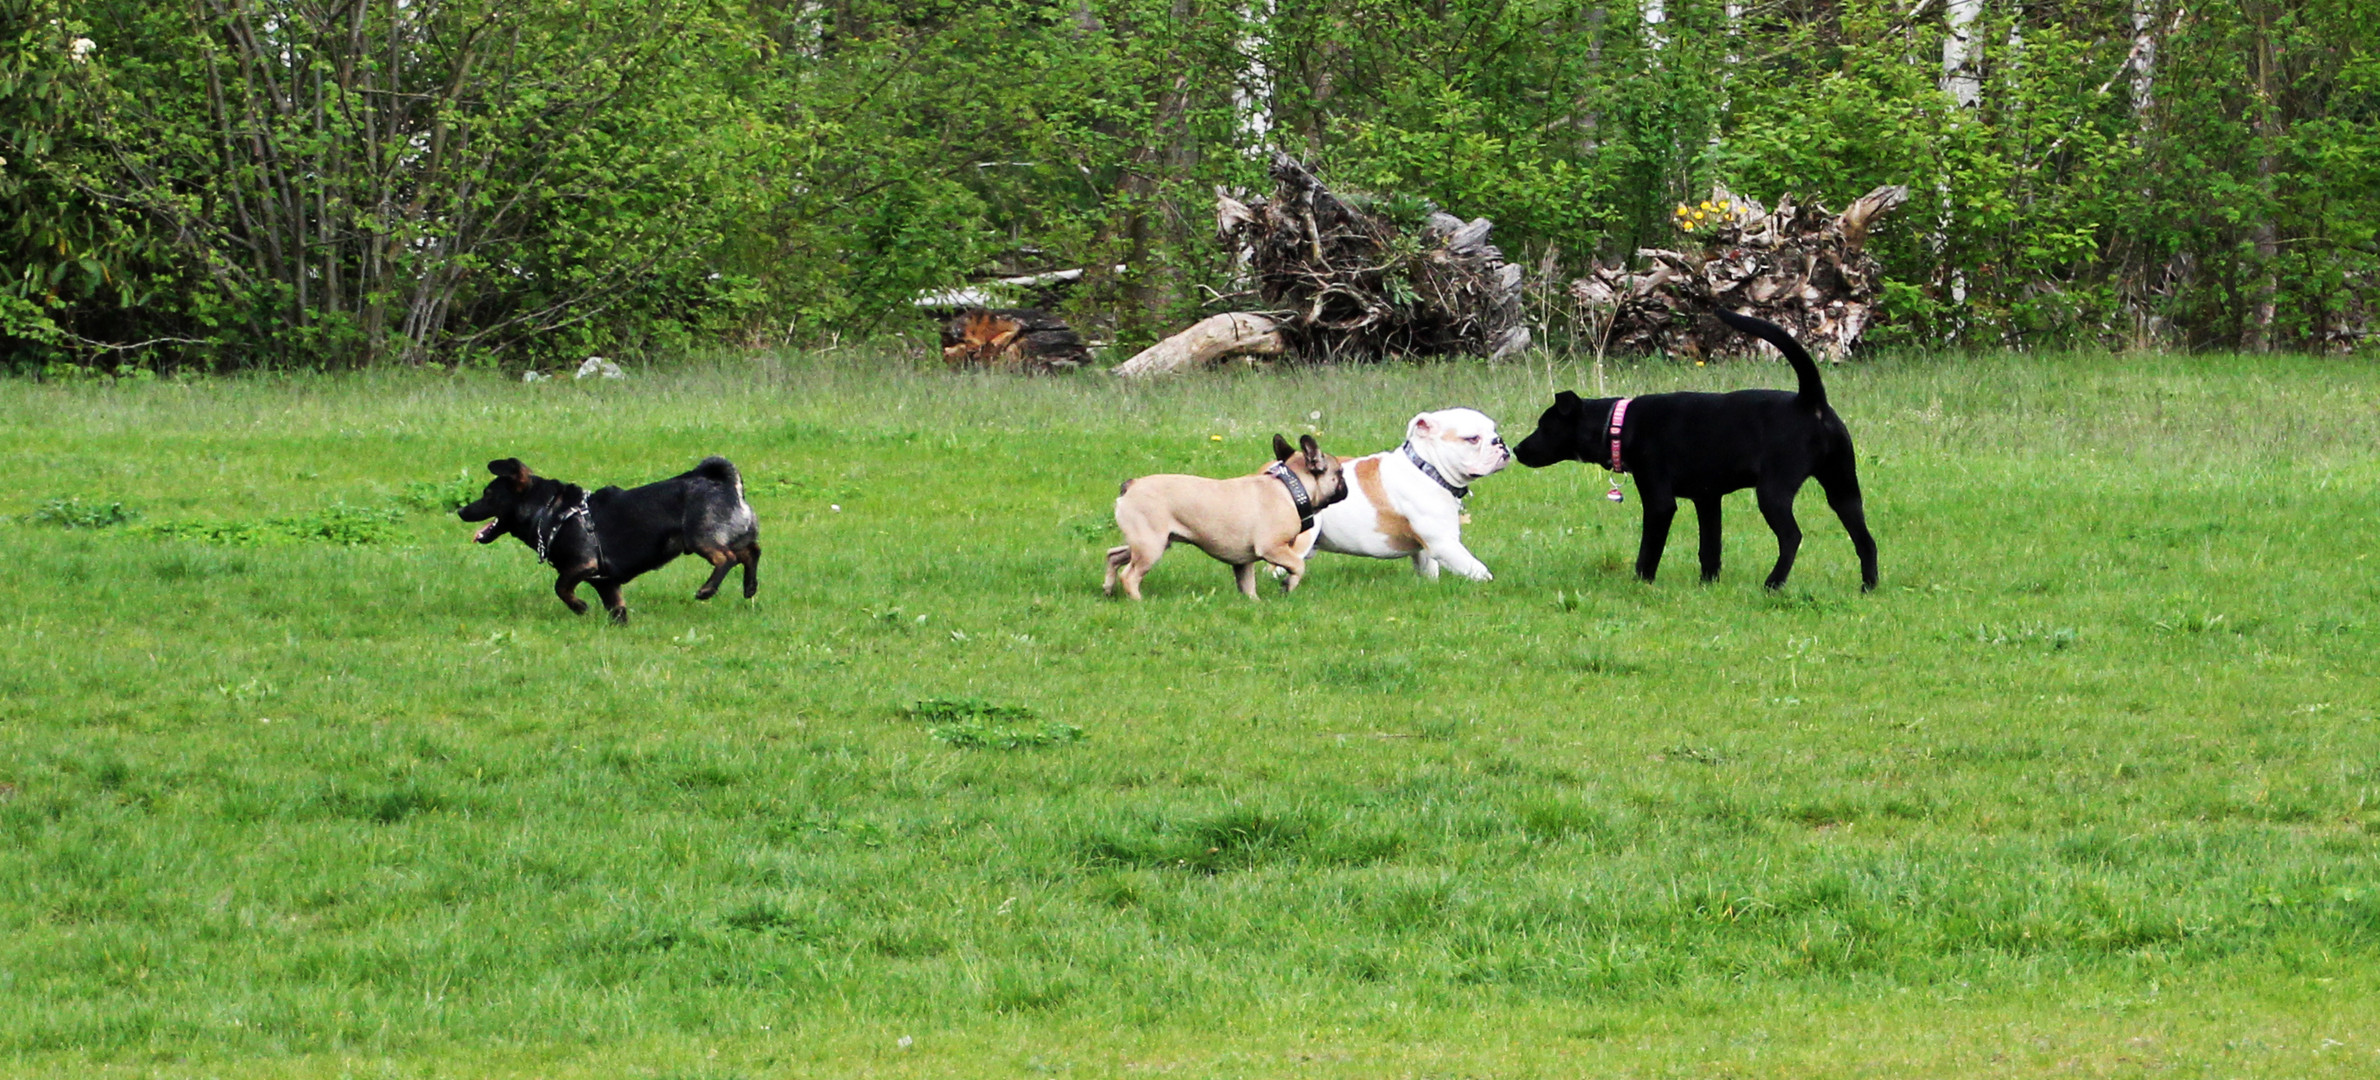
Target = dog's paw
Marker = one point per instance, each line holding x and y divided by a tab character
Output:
619	616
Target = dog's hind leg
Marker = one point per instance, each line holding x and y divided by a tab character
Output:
1661	508
1776	504
1137	561
1841	482
1706	519
721	561
566	587
750	557
1117	557
1245	575
610	594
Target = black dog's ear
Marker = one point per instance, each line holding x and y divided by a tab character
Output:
1281	450
511	469
1313	453
1567	399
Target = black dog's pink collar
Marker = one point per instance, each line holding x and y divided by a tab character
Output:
1619	415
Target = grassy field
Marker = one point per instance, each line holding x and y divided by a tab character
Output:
294	781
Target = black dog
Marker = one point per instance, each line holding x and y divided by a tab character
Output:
608	537
1702	446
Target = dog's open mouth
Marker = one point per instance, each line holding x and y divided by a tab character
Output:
488	533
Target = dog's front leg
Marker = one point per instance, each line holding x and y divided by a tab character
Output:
566	587
1661	508
610	594
1446	546
1287	558
1706	517
1245	574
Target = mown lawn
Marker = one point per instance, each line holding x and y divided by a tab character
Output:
2087	787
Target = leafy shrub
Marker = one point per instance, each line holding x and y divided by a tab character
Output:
339	523
77	514
975	724
956	710
441	496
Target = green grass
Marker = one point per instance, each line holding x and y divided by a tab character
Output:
295	781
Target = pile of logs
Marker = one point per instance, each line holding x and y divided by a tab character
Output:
1339	279
1799	267
1011	339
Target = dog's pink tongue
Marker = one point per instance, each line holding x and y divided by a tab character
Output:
488	531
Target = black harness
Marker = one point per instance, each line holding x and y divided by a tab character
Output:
549	526
1460	491
1297	494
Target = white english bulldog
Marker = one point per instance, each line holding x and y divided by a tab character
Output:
1409	501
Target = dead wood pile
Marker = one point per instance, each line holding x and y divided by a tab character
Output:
1011	339
1337	277
1799	267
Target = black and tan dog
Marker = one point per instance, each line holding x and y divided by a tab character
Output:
607	537
1701	446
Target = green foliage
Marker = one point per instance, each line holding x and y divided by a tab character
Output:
339	523
442	496
74	513
975	724
364	183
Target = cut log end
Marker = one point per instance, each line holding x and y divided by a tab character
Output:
1012	339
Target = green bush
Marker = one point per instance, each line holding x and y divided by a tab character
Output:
74	513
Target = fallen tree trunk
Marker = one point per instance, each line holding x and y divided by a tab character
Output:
1210	339
1343	278
1801	268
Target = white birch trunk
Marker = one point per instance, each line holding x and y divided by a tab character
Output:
2144	58
1252	98
1965	88
1959	51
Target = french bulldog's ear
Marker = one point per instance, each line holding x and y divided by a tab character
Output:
1281	450
1313	450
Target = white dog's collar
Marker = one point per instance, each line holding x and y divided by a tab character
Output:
1459	491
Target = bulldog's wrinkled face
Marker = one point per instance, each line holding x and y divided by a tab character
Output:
1460	442
500	504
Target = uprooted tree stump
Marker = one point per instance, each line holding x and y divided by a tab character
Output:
1012	339
1340	278
1799	267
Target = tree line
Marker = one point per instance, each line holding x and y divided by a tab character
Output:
226	183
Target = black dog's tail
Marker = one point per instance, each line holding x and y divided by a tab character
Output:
721	470
1813	392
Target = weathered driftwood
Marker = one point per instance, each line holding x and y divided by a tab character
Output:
1011	339
1338	278
1799	267
1236	333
